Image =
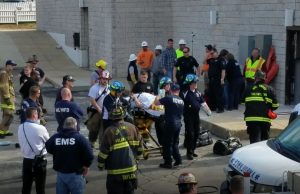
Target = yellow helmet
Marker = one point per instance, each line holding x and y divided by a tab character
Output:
101	63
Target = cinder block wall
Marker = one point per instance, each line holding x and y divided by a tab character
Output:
135	21
117	27
60	17
235	18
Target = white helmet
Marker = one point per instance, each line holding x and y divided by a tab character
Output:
132	57
144	43
158	47
181	41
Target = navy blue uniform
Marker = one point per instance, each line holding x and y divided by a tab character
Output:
215	89
64	109
71	151
192	105
173	113
26	103
109	103
235	81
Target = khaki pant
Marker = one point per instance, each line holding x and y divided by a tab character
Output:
7	118
94	125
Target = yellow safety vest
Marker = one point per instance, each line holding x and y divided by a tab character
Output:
251	67
179	53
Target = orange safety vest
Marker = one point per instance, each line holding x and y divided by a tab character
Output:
251	67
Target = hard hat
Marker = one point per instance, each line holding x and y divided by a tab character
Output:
190	78
105	74
101	63
132	57
186	178
260	75
117	86
181	41
164	81
117	113
158	47
144	43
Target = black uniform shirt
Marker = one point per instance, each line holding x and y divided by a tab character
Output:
173	108
142	87
215	68
186	65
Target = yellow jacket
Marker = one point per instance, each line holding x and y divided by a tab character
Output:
7	92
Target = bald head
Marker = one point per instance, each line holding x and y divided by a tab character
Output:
66	94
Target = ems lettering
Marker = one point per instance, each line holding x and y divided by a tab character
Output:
65	141
62	110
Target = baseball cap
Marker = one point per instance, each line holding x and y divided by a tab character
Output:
68	78
158	47
10	62
175	87
31	59
186	178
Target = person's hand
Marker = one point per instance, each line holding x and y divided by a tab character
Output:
164	71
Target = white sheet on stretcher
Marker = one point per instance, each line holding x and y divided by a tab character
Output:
147	100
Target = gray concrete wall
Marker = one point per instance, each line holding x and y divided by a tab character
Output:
235	18
135	21
60	17
117	27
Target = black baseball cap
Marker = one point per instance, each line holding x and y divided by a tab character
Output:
10	62
68	78
175	87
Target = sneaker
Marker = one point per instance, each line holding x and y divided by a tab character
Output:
195	155
177	164
167	166
189	157
9	134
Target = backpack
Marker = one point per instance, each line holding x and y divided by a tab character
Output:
226	147
204	138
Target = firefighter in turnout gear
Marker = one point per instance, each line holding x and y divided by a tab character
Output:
7	98
119	151
260	100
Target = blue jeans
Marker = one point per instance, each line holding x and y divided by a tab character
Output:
70	183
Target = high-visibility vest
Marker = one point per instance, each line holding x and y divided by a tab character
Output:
179	53
251	67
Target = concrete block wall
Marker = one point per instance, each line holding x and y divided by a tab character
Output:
100	31
60	17
235	18
117	27
135	21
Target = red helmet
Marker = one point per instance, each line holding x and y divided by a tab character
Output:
105	74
